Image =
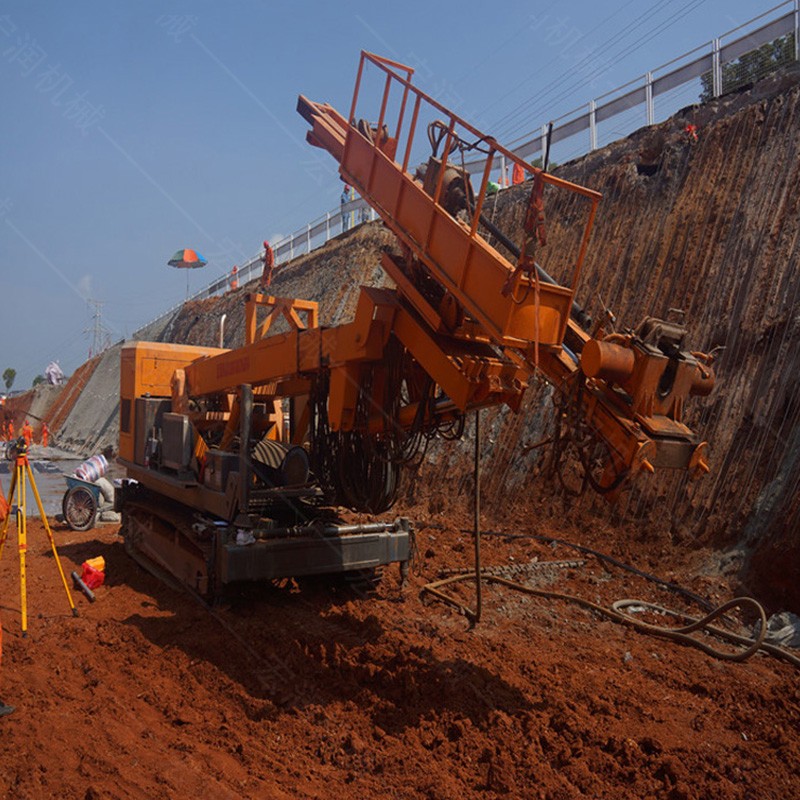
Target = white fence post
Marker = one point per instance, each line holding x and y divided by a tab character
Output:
592	125
648	99
327	226
716	69
544	143
797	30
308	237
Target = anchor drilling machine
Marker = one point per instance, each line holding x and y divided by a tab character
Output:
238	459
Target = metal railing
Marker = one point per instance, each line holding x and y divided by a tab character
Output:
299	243
711	68
705	72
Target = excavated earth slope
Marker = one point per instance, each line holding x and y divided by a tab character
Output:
711	229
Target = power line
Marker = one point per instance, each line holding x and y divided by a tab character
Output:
585	61
562	78
611	61
600	69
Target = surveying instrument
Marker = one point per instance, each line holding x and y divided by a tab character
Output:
18	453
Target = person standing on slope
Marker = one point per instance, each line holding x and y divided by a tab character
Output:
269	265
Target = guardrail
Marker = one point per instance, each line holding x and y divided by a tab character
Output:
303	241
710	69
709	63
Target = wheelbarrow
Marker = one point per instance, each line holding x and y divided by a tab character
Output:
80	503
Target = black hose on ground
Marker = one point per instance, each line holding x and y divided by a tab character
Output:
615	613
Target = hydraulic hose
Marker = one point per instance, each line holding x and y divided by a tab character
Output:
616	611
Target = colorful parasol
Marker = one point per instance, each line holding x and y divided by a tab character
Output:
187	259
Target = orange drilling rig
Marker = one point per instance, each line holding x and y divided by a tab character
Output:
238	458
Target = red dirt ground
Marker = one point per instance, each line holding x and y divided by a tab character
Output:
309	693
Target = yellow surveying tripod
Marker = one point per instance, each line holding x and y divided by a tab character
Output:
18	452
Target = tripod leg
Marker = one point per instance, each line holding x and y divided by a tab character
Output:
22	532
4	534
52	541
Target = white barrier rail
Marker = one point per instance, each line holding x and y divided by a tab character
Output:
315	233
708	59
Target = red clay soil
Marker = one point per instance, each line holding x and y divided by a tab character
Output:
15	410
306	692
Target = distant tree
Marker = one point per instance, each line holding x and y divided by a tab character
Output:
751	66
38	379
537	162
8	377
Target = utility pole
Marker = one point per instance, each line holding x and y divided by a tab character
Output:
101	337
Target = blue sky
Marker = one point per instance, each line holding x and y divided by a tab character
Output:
132	129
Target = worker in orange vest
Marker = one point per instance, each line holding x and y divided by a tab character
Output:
235	278
4	709
517	174
11	430
45	434
269	266
27	432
